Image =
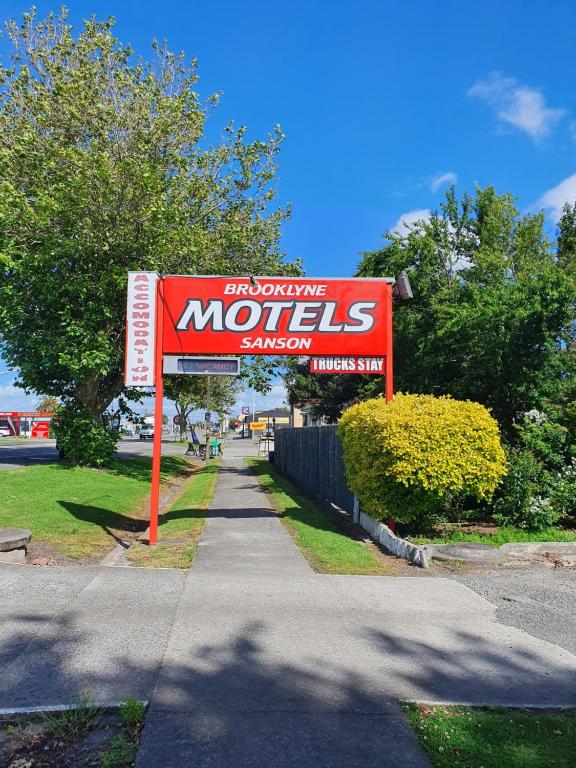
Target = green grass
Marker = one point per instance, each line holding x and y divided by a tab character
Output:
315	530
465	737
77	510
180	528
502	536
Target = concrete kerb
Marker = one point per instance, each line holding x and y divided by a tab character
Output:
384	536
38	710
474	552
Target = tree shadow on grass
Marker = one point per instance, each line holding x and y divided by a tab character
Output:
138	468
189	513
108	520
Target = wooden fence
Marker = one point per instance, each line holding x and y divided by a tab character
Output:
312	457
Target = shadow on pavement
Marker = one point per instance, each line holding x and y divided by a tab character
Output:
235	703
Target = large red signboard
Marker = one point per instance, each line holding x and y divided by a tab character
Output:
189	315
275	316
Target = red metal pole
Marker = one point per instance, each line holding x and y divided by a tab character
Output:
389	369
158	401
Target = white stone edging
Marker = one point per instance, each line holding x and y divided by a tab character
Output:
388	539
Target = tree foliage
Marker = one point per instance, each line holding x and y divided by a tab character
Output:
104	168
48	404
192	393
492	317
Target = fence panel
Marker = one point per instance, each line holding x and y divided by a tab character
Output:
312	457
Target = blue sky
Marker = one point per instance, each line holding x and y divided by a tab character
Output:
383	104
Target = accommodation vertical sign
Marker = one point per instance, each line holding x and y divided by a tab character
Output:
140	329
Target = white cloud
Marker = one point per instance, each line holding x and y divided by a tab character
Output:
518	105
553	200
276	398
442	180
408	219
15	399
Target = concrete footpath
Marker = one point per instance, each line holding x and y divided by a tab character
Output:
252	659
271	664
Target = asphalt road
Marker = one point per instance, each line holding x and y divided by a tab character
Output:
22	453
540	600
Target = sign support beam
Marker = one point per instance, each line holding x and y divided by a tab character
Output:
158	402
389	370
389	373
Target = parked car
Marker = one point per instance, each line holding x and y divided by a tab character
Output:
146	433
5	432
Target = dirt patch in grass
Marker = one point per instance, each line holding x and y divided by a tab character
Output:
494	737
83	738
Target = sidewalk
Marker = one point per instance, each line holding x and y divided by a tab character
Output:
270	664
243	683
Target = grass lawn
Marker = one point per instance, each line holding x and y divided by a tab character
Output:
466	737
501	536
315	530
179	529
77	510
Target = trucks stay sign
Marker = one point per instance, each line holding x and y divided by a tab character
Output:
370	365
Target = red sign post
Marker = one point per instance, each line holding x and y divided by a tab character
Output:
330	318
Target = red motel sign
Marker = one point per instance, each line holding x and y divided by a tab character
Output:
274	316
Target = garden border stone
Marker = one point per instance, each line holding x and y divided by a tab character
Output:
382	534
14	538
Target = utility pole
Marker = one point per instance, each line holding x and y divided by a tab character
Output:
208	413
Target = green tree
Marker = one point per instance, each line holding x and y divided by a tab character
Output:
193	393
492	312
103	169
48	404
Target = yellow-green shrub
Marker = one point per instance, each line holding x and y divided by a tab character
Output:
401	458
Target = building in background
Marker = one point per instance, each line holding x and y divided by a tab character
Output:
26	423
301	415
